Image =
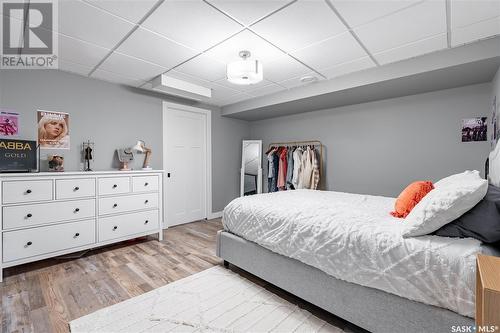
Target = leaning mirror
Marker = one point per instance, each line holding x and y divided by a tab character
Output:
251	167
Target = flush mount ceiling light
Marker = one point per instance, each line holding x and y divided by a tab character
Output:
244	71
308	79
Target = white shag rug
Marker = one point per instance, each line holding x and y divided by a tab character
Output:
215	300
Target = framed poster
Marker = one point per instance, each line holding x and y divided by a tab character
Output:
53	130
474	129
9	123
18	155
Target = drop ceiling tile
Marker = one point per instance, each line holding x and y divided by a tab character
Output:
152	47
83	53
283	68
116	78
467	12
409	25
68	66
235	99
242	87
475	31
296	82
411	50
228	50
330	52
300	24
191	23
248	11
203	67
132	10
362	11
122	64
266	90
83	21
347	67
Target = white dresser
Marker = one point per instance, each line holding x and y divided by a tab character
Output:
49	214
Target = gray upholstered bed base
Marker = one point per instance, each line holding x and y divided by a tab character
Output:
371	309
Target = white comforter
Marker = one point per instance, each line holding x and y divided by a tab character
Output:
354	238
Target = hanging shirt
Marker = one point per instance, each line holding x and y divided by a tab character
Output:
289	170
282	169
315	171
307	169
297	163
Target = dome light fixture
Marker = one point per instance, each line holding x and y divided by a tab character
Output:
245	71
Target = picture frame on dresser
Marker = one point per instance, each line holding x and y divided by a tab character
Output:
48	214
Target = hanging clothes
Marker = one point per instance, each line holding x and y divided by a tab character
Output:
289	170
297	166
315	169
307	169
272	170
282	169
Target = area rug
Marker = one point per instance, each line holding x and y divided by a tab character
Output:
215	300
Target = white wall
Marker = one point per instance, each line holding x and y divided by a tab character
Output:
380	147
115	116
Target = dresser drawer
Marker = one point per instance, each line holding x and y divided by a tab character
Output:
127	203
144	183
26	191
75	188
114	185
36	214
21	244
127	224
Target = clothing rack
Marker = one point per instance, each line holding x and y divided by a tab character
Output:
315	143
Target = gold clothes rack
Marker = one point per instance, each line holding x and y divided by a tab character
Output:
315	143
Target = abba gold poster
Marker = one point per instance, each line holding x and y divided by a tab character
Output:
53	130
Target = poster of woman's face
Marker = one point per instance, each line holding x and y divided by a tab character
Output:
53	130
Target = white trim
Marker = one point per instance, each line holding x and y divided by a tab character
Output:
208	114
215	215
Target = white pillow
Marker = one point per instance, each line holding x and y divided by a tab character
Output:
451	198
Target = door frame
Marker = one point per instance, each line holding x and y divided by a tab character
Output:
208	153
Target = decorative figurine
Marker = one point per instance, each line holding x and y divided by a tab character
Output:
88	148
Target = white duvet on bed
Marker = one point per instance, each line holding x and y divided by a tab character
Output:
354	238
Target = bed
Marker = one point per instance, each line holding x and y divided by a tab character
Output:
345	253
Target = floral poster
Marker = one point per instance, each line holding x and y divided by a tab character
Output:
53	130
9	123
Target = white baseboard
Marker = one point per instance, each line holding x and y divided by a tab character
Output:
215	215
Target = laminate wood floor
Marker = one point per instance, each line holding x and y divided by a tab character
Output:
44	296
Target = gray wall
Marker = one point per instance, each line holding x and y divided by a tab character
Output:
379	147
115	116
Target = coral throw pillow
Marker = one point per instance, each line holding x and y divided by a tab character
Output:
410	197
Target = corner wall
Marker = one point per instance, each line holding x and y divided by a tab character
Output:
380	147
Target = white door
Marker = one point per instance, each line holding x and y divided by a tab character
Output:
185	145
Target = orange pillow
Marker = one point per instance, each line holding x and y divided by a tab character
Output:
410	197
